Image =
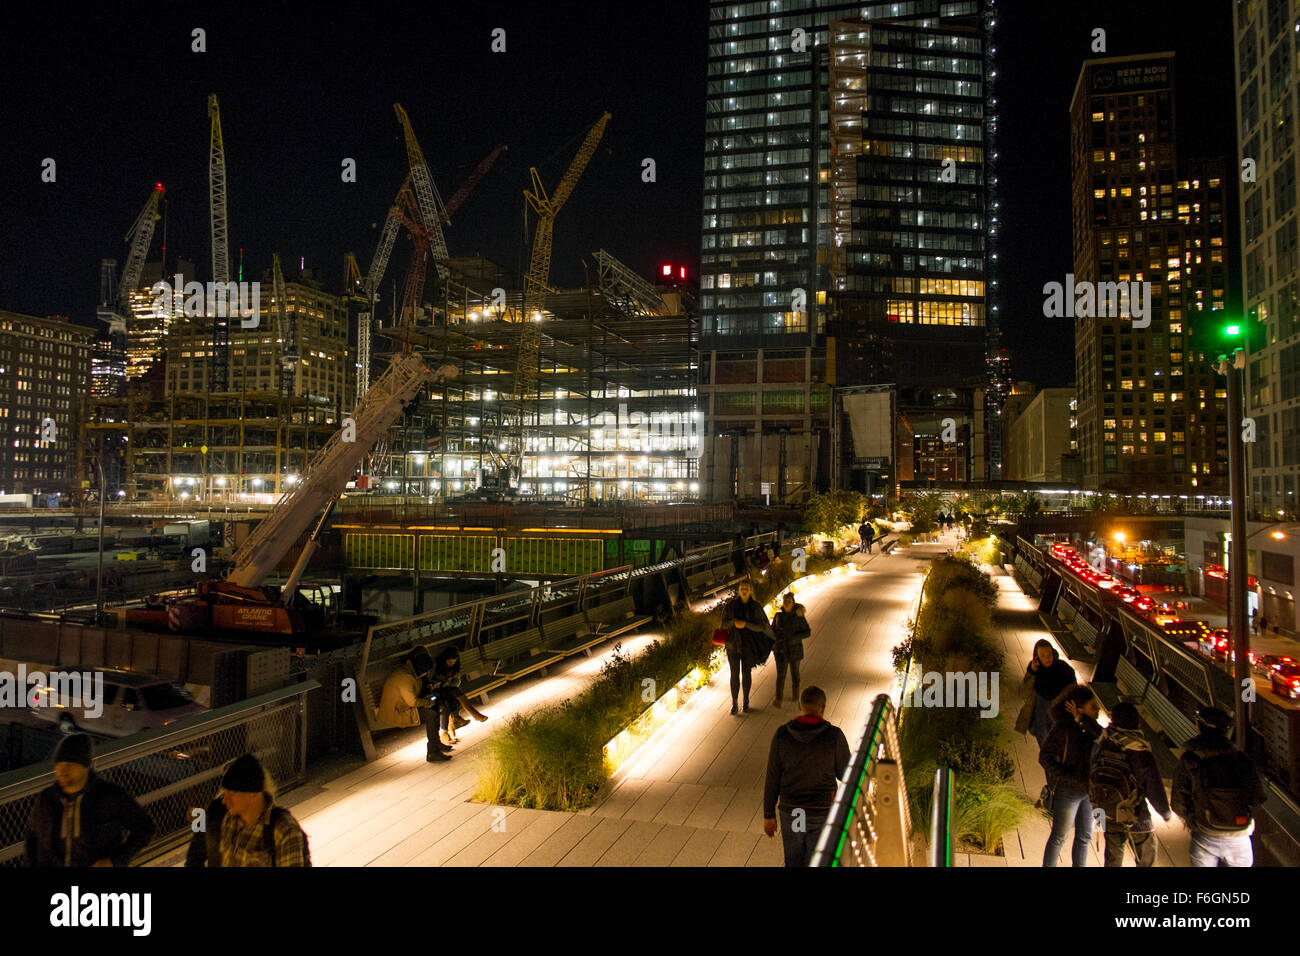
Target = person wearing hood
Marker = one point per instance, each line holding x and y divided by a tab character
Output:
83	819
1216	789
1047	675
749	639
1064	757
807	758
404	702
1124	739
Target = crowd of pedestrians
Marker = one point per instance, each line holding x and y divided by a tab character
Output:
1108	777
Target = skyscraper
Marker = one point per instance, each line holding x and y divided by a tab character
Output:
871	232
1151	412
1268	39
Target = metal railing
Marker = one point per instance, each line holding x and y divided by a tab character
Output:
869	823
173	770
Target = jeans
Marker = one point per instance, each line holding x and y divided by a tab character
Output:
1142	841
1070	807
1213	849
781	665
799	846
737	667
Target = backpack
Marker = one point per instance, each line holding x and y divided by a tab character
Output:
1220	795
1113	786
212	836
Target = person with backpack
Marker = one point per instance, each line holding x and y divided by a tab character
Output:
1047	675
1216	788
243	826
82	819
1123	783
749	639
791	627
1064	757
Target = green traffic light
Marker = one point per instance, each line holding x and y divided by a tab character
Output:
1232	330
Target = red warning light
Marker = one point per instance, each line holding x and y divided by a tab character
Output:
668	270
682	272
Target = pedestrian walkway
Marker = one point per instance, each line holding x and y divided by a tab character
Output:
691	796
1018	627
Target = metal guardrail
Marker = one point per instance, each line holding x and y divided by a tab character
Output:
869	823
172	770
941	819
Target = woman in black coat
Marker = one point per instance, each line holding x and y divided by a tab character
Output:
790	627
1066	756
749	639
1048	675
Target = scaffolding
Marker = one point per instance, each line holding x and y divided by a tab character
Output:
614	413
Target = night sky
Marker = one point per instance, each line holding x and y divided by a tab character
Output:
119	101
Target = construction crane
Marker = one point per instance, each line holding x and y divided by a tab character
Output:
285	330
240	602
220	248
537	281
115	305
426	193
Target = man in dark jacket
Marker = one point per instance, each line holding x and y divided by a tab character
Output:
1216	788
1124	735
807	758
82	819
1064	756
790	627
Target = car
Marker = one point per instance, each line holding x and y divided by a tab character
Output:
1265	664
1286	680
132	702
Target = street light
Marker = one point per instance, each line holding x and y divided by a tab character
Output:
1231	361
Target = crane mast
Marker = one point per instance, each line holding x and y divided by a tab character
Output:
430	202
220	248
537	281
285	330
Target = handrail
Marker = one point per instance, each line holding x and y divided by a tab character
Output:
941	819
869	823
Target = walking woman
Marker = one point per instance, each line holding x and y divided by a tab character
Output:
790	627
1048	675
1065	757
749	639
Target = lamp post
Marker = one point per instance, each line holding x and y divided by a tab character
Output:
1231	362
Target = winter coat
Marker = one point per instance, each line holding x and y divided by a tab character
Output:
397	703
1145	771
1066	753
804	763
103	820
1051	680
739	642
790	628
1203	747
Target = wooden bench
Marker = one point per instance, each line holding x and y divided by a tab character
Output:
571	635
471	660
696	583
512	657
615	618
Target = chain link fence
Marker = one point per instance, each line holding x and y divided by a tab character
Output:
174	770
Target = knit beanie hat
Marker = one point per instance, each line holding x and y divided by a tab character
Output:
244	775
74	748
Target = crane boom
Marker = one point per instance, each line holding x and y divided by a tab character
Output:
285	331
536	282
468	185
140	237
220	246
427	193
331	469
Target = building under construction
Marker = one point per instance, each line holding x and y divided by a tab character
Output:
609	412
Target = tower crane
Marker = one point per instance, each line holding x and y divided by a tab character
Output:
115	306
537	281
220	247
430	202
285	330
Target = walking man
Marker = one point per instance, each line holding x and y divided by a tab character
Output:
807	758
1123	783
790	627
866	536
1216	788
244	827
82	819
